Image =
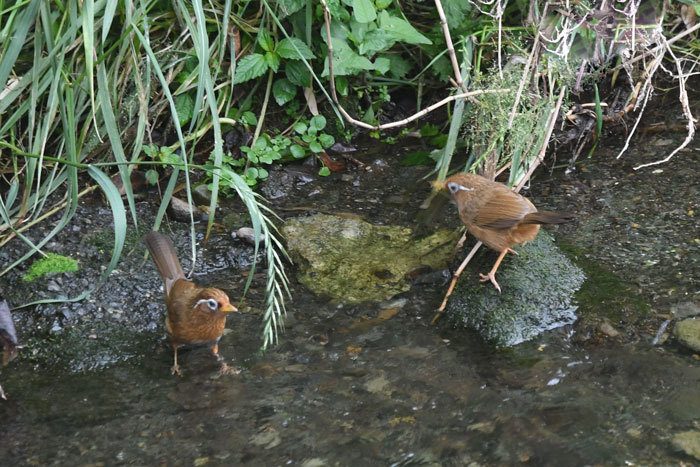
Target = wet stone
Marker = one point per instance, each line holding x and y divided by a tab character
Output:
537	286
688	442
687	332
685	310
358	261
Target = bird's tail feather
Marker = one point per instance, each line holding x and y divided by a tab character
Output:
165	257
547	217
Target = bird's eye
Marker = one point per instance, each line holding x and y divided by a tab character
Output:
212	304
453	187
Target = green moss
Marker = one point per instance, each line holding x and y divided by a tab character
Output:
538	294
353	260
104	240
51	263
604	293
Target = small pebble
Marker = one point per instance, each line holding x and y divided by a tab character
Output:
247	234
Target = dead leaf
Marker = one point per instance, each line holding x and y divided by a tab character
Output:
332	164
311	101
387	314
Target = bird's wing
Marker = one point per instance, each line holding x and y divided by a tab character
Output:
503	209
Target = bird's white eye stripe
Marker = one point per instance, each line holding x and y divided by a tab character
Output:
211	303
455	187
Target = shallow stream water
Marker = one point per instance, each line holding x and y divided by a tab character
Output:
374	384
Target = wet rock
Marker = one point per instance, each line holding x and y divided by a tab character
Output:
353	260
685	310
278	184
201	195
687	332
377	385
688	442
235	220
180	210
607	328
538	288
247	234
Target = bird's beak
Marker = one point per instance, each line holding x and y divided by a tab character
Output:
228	307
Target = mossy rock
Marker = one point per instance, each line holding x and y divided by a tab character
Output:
352	260
538	287
51	263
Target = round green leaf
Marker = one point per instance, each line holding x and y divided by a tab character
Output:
324	172
298	151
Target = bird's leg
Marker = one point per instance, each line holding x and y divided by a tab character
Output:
491	276
456	275
175	370
224	369
510	250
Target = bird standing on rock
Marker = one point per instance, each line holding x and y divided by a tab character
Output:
497	216
196	315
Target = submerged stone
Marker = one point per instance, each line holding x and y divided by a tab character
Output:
353	260
687	332
538	295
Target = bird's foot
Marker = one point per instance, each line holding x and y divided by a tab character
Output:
175	370
491	277
228	370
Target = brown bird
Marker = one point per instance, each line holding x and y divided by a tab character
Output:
196	315
497	215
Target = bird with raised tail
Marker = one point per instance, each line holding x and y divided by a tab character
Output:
497	216
196	315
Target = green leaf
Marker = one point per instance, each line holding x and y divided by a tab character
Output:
284	91
381	4
400	29
273	61
298	151
151	176
399	66
364	11
417	158
326	140
288	7
151	150
315	147
341	85
266	42
286	49
301	128
249	118
298	74
455	12
382	64
375	41
249	67
184	106
346	61
429	130
439	141
318	122
324	172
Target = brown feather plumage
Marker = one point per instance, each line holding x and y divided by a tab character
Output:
496	215
196	315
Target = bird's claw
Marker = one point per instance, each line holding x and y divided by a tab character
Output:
175	370
491	277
